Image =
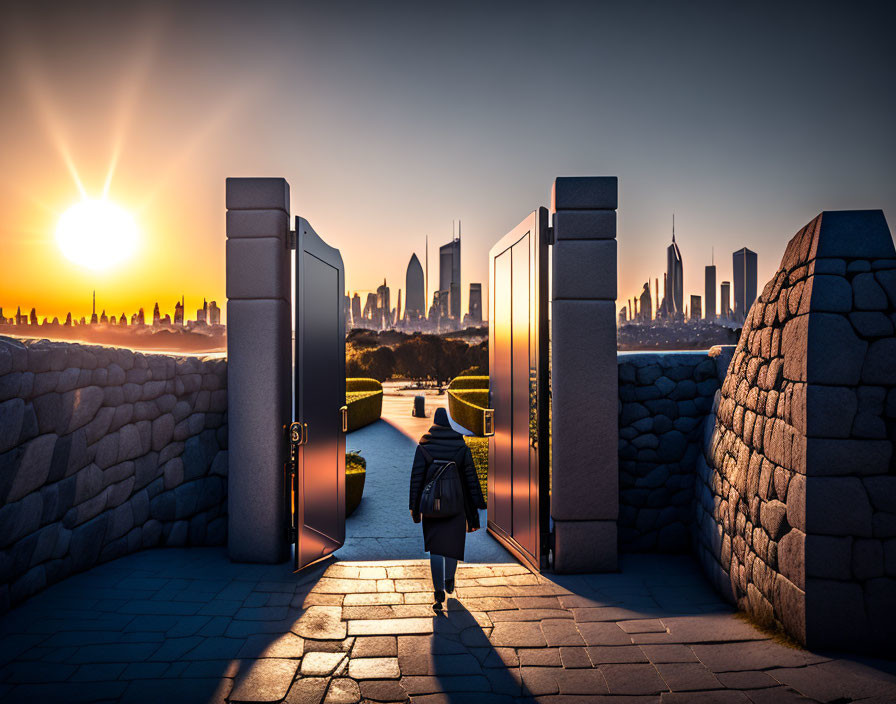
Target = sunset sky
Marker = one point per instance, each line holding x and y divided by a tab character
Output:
391	119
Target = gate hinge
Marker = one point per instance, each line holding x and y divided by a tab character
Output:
291	238
549	235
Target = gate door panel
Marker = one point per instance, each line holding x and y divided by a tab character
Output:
319	481
518	499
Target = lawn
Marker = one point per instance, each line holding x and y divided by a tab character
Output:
479	449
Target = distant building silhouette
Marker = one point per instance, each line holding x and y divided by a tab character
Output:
645	305
32	318
396	316
726	300
356	309
449	274
214	313
674	303
179	312
623	315
475	304
93	319
202	313
347	310
709	292
415	298
383	305
68	319
156	318
104	319
370	307
696	312
744	282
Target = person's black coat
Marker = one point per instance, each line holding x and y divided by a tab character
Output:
446	536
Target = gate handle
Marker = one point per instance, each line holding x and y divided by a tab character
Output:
344	413
488	422
298	434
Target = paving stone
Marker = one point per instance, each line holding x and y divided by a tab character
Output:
431	664
343	691
747	680
760	655
688	677
711	628
651	625
539	657
287	645
375	647
321	622
538	681
319	664
559	632
383	691
517	635
373	668
632	679
581	682
722	697
528	615
599	633
353	599
449	683
266	680
393	626
657	653
307	690
574	657
601	655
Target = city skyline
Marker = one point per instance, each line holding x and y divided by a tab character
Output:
422	132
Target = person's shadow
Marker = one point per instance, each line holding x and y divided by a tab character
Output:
468	669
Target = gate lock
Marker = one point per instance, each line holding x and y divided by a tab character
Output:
488	417
343	412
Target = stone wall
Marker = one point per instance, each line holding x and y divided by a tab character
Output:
664	399
796	503
103	452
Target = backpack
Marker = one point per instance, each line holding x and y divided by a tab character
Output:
442	496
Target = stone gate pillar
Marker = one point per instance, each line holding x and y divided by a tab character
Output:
259	379
584	396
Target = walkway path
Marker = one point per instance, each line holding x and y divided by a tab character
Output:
187	625
381	527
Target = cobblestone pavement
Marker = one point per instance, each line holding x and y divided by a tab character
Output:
168	626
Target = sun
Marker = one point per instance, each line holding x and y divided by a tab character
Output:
96	234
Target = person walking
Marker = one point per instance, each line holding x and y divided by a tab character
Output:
444	537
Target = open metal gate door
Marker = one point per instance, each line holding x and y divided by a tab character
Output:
518	476
318	436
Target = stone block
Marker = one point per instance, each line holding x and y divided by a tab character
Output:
882	492
585	546
257	223
584	224
840	365
792	557
835	614
585	193
585	411
867	294
829	411
880	362
830	294
844	457
257	268
828	557
837	506
259	409
854	234
584	269
257	194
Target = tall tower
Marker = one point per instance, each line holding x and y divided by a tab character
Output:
674	278
449	274
726	299
415	295
709	291
93	319
744	261
475	304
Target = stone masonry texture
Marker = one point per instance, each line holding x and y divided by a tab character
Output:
104	452
796	495
663	401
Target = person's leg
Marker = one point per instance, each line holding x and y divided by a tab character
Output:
437	566
450	569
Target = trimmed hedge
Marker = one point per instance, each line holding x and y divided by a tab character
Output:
364	398
479	450
355	474
467	401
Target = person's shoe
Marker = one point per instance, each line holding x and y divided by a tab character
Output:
439	595
449	586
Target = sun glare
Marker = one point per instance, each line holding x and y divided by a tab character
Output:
96	234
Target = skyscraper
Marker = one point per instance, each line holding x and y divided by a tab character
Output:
645	307
214	313
475	304
383	305
709	292
695	307
179	312
744	282
156	316
415	295
356	309
449	273
674	279
726	300
202	313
